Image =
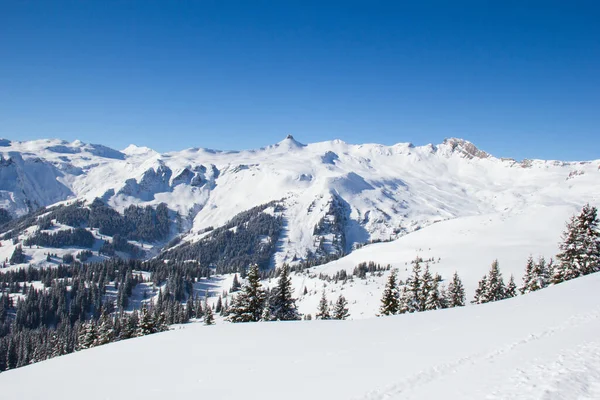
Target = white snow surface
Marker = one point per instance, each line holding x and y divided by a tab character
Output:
388	190
543	345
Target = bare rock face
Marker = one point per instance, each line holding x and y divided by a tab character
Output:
465	148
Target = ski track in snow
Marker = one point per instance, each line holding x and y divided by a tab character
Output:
574	374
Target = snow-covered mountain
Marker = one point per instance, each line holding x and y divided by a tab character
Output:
542	345
330	195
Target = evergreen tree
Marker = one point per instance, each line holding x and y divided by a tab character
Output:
87	336
390	301
434	300
528	278
580	249
105	331
235	286
340	310
266	314
511	288
412	295
283	305
480	292
455	295
495	284
323	310
248	304
209	319
427	287
146	324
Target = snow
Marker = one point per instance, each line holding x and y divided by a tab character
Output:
388	190
512	349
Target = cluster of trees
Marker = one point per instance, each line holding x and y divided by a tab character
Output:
119	243
136	223
338	310
492	287
77	237
230	250
333	223
4	216
580	248
254	303
17	257
420	292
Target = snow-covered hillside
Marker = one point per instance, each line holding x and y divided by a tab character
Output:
542	345
333	195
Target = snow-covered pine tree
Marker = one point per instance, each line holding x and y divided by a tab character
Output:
209	319
495	290
580	249
323	310
390	301
235	286
146	323
248	304
528	277
480	292
219	306
511	288
412	294
105	331
340	309
434	300
541	275
266	314
427	286
283	305
455	294
87	335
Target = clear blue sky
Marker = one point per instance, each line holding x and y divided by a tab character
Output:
518	78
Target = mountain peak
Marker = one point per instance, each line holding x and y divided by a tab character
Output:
464	148
289	143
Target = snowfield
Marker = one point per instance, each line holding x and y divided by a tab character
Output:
543	345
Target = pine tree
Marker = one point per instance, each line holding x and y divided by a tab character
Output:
235	286
390	301
248	304
266	314
146	324
323	310
434	300
455	295
528	277
219	306
580	249
480	292
87	335
340	310
427	286
412	294
495	284
283	305
105	331
209	319
511	288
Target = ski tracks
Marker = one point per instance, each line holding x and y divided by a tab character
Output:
575	375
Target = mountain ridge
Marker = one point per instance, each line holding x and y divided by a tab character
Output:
331	195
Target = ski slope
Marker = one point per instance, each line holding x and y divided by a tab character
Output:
544	345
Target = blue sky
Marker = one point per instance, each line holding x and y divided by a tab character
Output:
518	78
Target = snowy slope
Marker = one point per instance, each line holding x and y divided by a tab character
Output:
371	191
543	345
